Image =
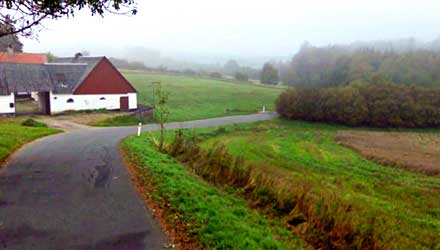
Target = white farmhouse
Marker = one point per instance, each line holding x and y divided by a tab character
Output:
73	83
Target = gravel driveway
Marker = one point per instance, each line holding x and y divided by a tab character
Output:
71	191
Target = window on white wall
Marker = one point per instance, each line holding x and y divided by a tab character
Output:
70	100
11	105
102	98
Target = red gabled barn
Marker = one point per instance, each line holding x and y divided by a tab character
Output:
74	83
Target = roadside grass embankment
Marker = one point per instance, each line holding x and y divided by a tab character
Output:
215	218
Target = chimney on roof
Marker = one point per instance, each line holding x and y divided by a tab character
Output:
10	50
78	55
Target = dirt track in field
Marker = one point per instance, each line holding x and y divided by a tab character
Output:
417	152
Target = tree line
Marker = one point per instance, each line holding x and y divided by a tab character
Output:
377	103
339	65
125	64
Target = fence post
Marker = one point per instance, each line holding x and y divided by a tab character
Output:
139	129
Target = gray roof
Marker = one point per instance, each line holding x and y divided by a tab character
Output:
63	76
66	77
24	78
90	61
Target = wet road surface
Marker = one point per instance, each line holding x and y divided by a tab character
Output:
72	191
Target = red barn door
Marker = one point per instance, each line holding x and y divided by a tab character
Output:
124	103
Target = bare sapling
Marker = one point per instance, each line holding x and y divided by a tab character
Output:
161	111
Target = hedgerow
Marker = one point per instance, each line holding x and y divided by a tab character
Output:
378	103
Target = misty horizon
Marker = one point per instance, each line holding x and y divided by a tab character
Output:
209	33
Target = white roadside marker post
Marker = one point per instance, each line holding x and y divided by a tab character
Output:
264	108
139	128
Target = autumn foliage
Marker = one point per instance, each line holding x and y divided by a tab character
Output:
377	103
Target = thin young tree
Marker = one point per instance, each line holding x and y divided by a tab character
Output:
161	111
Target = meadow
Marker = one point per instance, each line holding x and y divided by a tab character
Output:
403	205
327	194
192	98
13	135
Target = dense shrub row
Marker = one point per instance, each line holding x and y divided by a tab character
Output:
378	104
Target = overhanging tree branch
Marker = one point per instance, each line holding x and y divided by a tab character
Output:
22	16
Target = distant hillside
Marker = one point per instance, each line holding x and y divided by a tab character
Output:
124	64
399	45
405	61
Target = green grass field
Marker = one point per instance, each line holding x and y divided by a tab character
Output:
197	98
401	209
406	205
13	135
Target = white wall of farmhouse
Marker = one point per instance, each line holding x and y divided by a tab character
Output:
63	102
5	104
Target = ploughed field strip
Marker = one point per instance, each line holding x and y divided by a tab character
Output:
418	152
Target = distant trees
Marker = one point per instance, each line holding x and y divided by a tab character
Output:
124	64
50	57
231	67
10	41
189	72
338	65
269	74
240	76
359	86
377	103
251	72
215	75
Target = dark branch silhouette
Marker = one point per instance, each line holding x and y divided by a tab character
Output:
24	16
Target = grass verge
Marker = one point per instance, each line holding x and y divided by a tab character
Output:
123	120
13	135
217	219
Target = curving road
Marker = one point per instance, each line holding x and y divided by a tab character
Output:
71	191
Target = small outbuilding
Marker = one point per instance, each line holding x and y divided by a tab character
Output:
67	84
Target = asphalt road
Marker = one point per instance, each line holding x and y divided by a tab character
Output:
72	191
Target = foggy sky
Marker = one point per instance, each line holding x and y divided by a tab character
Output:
246	28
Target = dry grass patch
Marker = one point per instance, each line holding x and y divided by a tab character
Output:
84	118
418	152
